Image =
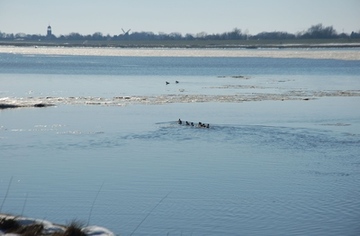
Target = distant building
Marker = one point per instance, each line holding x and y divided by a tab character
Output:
49	33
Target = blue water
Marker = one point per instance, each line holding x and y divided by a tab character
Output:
264	167
173	66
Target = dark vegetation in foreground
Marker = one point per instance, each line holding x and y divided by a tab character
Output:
12	226
317	35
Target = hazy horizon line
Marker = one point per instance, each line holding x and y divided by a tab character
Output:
243	32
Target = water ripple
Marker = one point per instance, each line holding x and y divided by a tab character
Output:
285	137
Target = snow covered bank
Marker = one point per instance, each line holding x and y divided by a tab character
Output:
328	53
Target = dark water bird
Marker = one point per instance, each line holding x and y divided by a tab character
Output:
176	81
203	125
200	124
167	83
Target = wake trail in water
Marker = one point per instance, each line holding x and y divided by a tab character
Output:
304	139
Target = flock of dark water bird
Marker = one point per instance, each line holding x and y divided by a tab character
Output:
187	123
166	82
199	125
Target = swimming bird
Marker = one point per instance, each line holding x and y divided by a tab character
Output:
187	123
167	83
192	123
179	122
207	126
176	81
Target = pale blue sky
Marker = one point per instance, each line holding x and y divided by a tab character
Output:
183	16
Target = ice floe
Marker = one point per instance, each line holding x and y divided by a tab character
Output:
15	102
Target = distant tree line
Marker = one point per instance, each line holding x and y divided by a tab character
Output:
314	32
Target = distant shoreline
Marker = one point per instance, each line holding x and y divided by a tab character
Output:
195	44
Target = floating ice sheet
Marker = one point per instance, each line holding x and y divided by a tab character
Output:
9	102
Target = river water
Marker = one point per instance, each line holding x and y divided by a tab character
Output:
281	156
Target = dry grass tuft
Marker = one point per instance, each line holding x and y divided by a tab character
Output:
9	225
12	226
74	229
30	230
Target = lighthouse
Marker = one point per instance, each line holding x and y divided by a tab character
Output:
49	33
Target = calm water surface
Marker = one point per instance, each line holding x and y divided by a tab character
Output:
265	167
